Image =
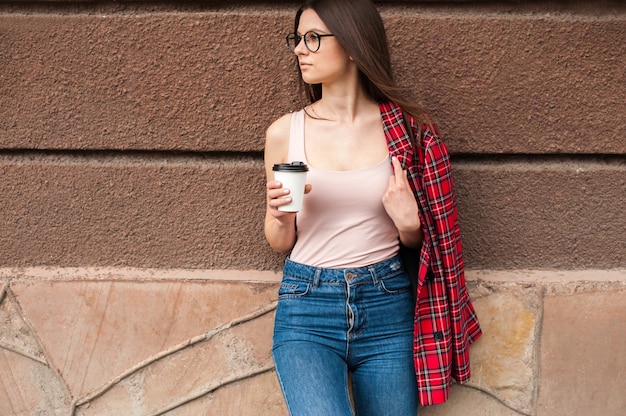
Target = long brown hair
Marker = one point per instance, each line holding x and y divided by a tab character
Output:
359	29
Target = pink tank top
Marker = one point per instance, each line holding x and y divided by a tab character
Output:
343	222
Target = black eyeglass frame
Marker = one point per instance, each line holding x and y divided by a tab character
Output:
297	38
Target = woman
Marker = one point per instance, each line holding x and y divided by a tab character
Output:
379	181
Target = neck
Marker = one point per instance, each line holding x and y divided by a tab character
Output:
342	104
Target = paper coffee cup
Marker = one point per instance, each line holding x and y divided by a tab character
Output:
293	177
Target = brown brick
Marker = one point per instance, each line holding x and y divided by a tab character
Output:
546	214
516	83
141	214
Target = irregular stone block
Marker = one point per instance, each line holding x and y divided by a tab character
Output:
465	401
236	353
503	360
15	334
583	359
94	331
28	387
260	395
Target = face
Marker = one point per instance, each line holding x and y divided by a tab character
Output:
330	62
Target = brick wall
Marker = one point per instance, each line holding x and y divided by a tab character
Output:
134	276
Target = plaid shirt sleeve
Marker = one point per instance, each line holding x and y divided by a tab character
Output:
445	321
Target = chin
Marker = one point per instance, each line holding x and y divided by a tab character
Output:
308	79
311	80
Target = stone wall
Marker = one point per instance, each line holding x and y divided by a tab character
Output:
134	276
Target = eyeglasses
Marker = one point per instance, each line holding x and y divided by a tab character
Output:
312	40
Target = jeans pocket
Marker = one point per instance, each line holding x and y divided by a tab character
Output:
291	289
395	285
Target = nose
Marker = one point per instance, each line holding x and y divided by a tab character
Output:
300	48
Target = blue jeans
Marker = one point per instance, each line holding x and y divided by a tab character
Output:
334	322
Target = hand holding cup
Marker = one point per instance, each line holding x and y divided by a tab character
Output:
292	176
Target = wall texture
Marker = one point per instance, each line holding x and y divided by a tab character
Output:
134	276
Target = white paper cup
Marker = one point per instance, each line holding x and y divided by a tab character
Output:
293	177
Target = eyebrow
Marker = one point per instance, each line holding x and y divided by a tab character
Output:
320	31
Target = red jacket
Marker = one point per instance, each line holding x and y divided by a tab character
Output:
445	321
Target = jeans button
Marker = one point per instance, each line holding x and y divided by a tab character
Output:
350	275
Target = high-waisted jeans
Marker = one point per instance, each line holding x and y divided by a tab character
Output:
334	322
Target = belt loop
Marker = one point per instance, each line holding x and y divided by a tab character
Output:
316	277
372	270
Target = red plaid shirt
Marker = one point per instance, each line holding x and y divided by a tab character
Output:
445	321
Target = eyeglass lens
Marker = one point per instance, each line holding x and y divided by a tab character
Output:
311	41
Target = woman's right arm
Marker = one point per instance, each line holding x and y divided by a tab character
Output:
280	228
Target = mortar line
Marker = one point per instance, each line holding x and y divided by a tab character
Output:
23	354
173	156
3	292
537	347
210	389
496	398
471	10
113	156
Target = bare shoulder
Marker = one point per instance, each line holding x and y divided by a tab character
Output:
278	131
277	141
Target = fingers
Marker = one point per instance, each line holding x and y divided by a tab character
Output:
399	174
277	195
274	185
